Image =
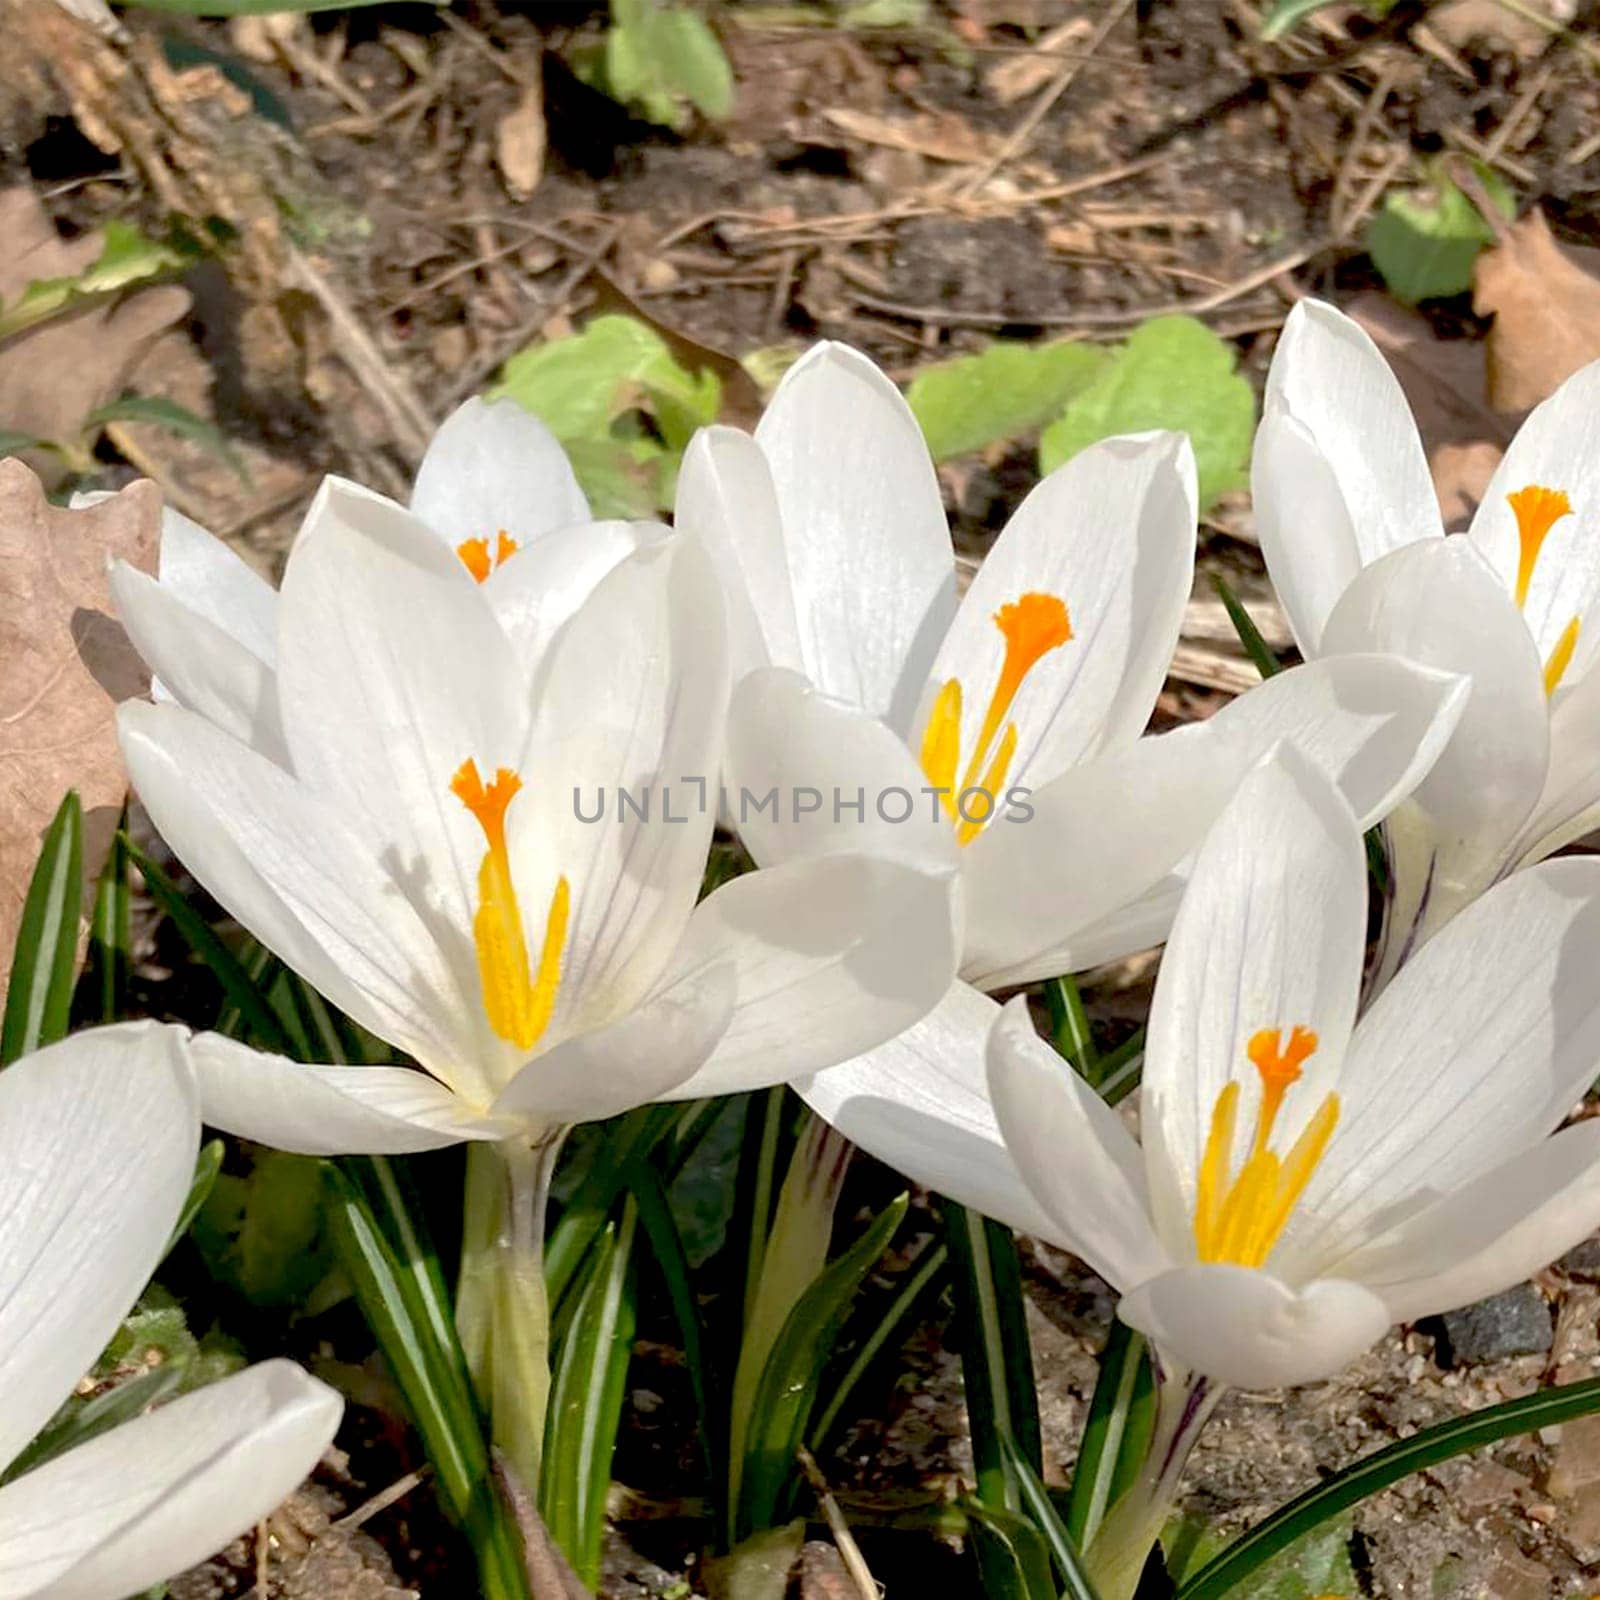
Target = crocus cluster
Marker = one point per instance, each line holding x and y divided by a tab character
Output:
462	771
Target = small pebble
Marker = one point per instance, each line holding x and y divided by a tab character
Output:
1515	1323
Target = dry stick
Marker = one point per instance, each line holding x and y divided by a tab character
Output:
1370	113
1519	112
381	1501
844	1541
1019	137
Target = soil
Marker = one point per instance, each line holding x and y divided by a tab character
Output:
1003	167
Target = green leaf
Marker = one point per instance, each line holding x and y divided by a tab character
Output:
206	1167
788	1386
247	8
39	999
884	14
1371	1475
1008	390
176	419
13	443
1424	241
77	1424
107	975
586	1394
1038	1505
1318	1567
664	59
1260	652
264	1235
1174	372
1116	1433
1013	1559
126	257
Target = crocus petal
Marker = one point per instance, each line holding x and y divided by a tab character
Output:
726	499
493	468
97	1145
640	1057
1270	935
202	666
632	698
288	867
807	774
921	1104
832	956
1491	1233
1557	448
1074	1152
1480	1046
1438	604
1250	1330
1106	838
146	1500
864	529
1330	377
329	1110
215	583
1110	535
1569	806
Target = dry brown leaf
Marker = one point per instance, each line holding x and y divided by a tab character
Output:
65	664
941	135
54	374
1546	307
519	140
1018	76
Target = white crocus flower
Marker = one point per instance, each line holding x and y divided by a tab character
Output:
867	688
1306	1180
1351	531
97	1146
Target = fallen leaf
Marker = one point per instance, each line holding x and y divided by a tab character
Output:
1545	300
1463	23
941	135
65	664
519	140
52	375
1018	76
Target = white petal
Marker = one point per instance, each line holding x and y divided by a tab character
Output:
329	1110
493	468
1569	807
285	864
1490	1233
1110	535
391	673
1479	1047
1439	604
1329	376
1250	1330
633	697
1105	838
725	498
212	581
1558	447
832	957
638	1058
158	1494
1271	935
868	547
1074	1152
818	759
201	666
921	1104
97	1145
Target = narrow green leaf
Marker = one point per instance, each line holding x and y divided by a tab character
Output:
176	419
1073	1036
788	1386
1260	652
261	1020
1038	1505
39	999
107	975
586	1395
126	257
1012	1557
1116	1433
206	1167
13	443
1374	1473
122	1402
247	8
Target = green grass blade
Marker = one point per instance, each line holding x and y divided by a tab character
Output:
206	1167
586	1394
109	928
1257	648
1369	1476
996	1357
1038	1505
39	999
787	1389
1116	1433
125	1400
1070	1022
1012	1558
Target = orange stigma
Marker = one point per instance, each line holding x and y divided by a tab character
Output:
519	1004
1032	626
1239	1219
1537	510
476	557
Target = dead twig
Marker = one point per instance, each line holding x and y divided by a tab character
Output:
844	1541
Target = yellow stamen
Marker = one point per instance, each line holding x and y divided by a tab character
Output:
986	798
1555	669
1240	1221
475	554
519	1007
1537	510
941	743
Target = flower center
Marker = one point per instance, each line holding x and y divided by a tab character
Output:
1537	511
1032	626
478	558
1238	1218
518	1002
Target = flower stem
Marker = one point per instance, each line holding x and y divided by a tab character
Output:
1116	1558
502	1310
